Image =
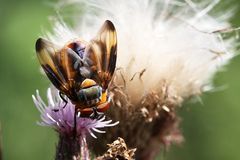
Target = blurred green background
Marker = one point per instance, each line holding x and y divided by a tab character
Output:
211	130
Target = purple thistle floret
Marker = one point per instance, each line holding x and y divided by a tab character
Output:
61	118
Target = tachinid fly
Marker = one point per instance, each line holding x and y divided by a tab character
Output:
82	70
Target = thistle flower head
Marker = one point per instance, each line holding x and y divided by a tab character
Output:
161	44
168	51
55	114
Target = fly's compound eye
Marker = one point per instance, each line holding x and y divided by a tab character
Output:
90	95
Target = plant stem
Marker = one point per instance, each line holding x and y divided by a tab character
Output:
84	149
68	148
72	148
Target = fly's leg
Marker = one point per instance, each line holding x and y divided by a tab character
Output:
96	114
64	100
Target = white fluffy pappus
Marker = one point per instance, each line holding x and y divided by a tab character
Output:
168	41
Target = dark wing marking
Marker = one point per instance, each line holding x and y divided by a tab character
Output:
70	64
47	56
61	67
101	54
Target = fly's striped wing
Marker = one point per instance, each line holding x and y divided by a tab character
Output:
70	64
47	56
101	54
61	67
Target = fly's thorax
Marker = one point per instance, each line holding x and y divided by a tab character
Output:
78	46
